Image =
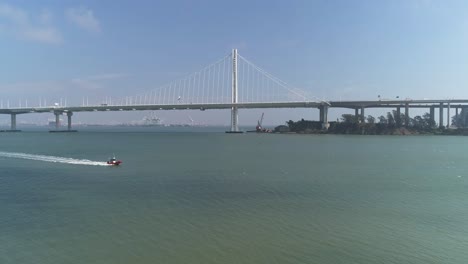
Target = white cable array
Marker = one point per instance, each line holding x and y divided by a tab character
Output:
213	84
209	85
257	85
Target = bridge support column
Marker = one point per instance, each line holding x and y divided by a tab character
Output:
456	112
431	113
234	119
441	115
234	110
69	115
363	117
463	116
398	117
448	115
57	120
407	115
13	122
356	114
324	116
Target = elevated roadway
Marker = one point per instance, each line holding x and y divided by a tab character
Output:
431	104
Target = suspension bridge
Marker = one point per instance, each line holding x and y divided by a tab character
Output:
234	83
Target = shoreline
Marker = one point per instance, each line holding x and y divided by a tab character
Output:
347	128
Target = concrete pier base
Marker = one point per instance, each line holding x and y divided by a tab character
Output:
58	128
441	115
234	121
407	119
363	116
69	115
463	116
432	113
234	132
62	131
57	120
13	122
324	117
448	116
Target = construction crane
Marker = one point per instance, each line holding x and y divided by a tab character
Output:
259	128
259	124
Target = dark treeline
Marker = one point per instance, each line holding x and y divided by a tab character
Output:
461	120
389	124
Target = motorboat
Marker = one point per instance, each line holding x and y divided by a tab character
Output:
114	162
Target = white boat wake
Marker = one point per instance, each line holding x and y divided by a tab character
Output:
51	159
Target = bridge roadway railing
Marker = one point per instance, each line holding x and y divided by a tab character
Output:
159	107
250	105
323	106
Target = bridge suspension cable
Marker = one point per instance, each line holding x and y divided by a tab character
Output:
213	85
257	85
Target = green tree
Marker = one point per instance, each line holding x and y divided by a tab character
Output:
399	119
348	118
382	120
429	123
418	123
462	119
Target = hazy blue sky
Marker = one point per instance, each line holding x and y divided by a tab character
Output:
333	49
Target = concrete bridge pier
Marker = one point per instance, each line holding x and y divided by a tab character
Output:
456	112
441	115
463	116
57	120
356	114
234	120
363	117
448	115
69	115
324	116
398	116
13	122
407	115
431	113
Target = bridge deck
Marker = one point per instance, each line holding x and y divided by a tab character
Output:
331	104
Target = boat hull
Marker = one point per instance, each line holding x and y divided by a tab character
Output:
114	163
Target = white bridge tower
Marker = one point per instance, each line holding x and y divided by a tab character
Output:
234	110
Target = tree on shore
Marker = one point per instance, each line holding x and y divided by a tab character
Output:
348	118
461	120
303	125
383	120
386	124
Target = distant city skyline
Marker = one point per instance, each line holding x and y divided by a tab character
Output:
332	49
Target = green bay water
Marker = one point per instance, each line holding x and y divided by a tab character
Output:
210	197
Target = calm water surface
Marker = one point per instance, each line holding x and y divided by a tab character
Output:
216	198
